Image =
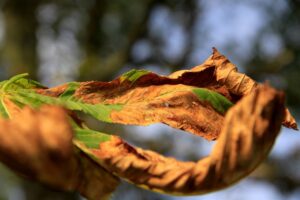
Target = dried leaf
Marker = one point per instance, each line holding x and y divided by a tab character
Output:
250	129
140	97
200	100
240	84
226	74
38	145
193	100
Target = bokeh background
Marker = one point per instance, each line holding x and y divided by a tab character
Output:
66	40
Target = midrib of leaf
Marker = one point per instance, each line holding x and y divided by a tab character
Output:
20	90
3	110
27	96
99	111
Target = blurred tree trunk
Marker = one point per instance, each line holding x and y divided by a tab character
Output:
19	52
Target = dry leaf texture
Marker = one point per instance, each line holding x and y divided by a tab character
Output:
193	100
38	145
153	99
211	100
238	84
249	132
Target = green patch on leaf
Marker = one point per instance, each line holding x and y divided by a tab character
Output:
99	111
216	100
133	75
70	90
91	138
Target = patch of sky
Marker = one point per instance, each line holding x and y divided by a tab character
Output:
270	45
184	144
294	195
165	27
287	142
233	26
141	50
152	68
245	190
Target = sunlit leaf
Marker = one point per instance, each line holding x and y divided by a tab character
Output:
141	98
237	152
226	74
44	138
212	100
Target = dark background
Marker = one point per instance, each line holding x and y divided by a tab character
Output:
60	41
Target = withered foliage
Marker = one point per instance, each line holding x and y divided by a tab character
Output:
249	131
44	140
38	145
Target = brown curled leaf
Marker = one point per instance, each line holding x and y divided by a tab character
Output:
148	99
175	105
38	145
249	131
141	97
195	100
238	84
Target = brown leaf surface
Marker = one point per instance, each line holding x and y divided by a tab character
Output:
38	145
143	104
174	105
249	131
159	99
238	84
